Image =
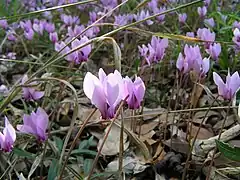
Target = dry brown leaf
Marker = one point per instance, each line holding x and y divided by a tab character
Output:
178	144
198	117
146	127
203	133
111	145
229	121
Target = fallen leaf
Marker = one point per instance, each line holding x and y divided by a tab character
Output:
111	145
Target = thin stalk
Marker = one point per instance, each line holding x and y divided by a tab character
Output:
195	138
219	136
176	103
75	141
104	139
121	149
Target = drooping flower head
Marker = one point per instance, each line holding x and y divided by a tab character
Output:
236	38
105	92
30	93
135	90
229	89
36	124
210	22
8	137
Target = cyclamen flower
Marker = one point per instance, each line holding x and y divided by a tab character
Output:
77	56
70	20
155	51
135	90
207	2
157	10
105	92
182	18
202	11
206	35
190	34
214	51
122	20
38	27
53	37
236	38
36	124
210	22
49	27
30	93
236	24
229	89
142	15
8	137
192	61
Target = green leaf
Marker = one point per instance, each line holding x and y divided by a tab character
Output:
87	166
228	151
84	144
83	152
23	153
75	173
53	170
59	143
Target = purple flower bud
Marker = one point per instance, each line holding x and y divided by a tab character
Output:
182	18
135	90
182	64
229	89
53	37
8	137
30	93
36	124
207	2
202	11
11	35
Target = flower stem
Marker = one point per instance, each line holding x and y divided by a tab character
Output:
219	136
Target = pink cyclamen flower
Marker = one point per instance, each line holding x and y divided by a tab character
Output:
30	93
210	22
214	51
202	11
142	15
190	34
36	124
182	18
8	137
105	92
229	89
53	37
236	37
135	90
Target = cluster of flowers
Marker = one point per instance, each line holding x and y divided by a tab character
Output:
107	91
36	123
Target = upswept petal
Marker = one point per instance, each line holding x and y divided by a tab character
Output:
89	83
219	82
